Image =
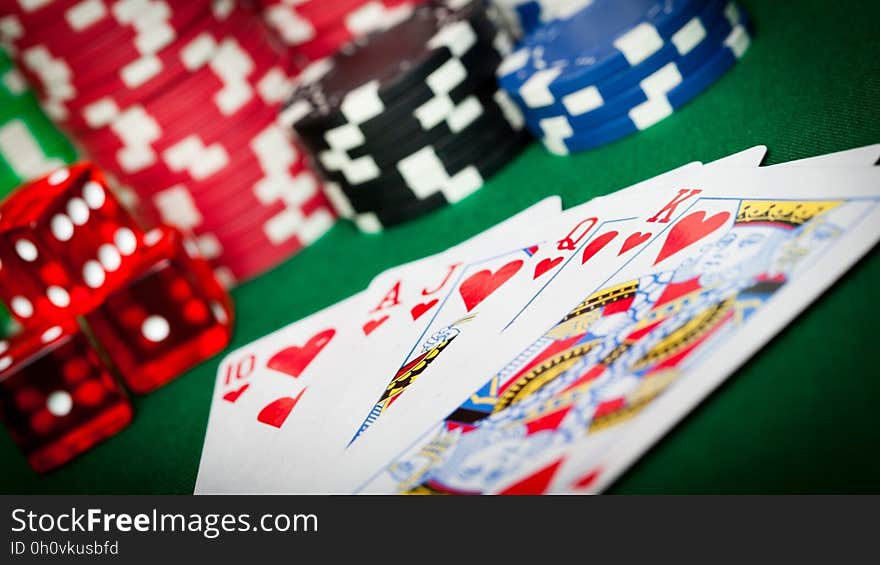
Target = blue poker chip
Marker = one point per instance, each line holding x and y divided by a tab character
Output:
599	41
688	43
675	92
524	16
609	103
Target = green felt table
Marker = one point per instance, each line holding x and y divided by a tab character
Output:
802	416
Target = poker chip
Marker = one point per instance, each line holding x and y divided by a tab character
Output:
607	37
671	89
405	121
614	68
314	30
179	101
30	144
523	16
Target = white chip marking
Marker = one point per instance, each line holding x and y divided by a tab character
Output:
583	101
689	36
536	92
639	43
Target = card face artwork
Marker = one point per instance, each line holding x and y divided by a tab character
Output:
567	411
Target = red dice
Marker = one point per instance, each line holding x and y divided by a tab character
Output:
56	396
171	315
149	307
65	243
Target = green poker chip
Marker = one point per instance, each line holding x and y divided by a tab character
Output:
13	87
30	144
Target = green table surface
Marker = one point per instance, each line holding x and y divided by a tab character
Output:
802	416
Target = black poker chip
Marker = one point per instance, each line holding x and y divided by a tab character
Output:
381	68
476	110
441	171
394	214
477	67
410	119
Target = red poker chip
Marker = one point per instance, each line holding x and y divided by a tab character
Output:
231	135
314	17
92	66
245	265
189	91
301	227
229	196
300	191
233	196
242	187
90	28
31	16
257	208
325	44
331	32
244	259
121	91
210	20
201	103
252	200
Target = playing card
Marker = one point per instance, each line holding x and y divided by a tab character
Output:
726	265
260	386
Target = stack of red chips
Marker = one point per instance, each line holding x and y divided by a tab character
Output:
178	99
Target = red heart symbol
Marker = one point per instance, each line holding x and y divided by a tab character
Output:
233	395
294	360
587	480
420	309
689	230
276	412
371	326
480	285
597	244
634	240
545	265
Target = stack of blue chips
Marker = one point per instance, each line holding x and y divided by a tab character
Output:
614	67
